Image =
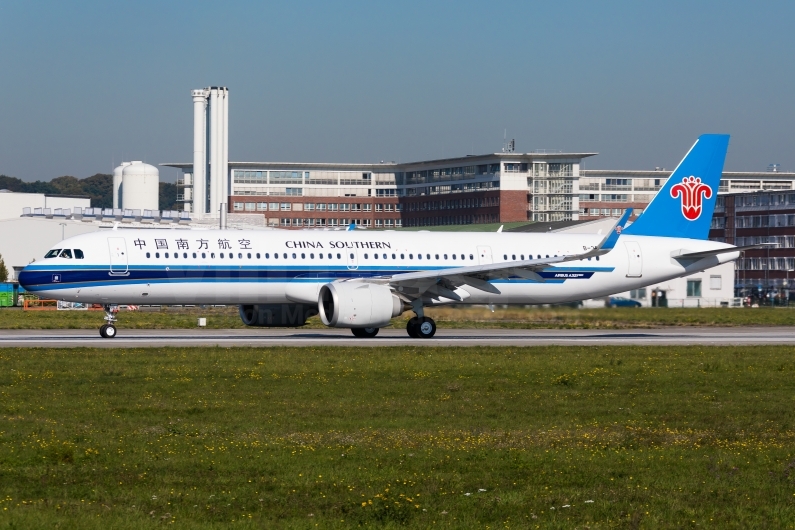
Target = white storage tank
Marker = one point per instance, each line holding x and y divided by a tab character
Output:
117	174
140	187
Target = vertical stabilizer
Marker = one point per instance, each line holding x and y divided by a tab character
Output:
683	207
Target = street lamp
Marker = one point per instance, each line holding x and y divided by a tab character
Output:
63	227
786	284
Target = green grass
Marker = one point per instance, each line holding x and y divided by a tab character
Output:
446	317
655	437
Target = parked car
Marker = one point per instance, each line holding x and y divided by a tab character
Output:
620	301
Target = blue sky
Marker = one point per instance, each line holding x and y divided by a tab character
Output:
86	84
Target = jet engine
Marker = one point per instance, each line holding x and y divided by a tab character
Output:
276	315
357	305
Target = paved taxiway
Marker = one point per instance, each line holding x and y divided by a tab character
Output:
130	338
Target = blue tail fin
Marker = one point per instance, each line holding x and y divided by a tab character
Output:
683	207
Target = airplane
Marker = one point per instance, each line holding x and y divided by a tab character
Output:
361	279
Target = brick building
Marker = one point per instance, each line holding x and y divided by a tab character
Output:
740	219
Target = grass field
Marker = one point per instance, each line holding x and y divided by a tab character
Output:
635	437
447	317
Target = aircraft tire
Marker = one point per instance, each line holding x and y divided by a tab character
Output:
110	331
102	331
364	333
426	328
411	327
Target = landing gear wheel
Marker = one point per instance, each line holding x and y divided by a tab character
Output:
426	328
411	327
364	333
107	331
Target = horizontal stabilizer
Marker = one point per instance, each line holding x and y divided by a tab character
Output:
715	252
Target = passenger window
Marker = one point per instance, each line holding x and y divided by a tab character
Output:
522	256
157	254
185	255
284	255
375	256
194	255
513	257
311	256
257	255
471	257
427	256
437	256
445	256
505	257
275	255
166	254
339	256
240	255
204	255
453	256
248	255
79	254
147	254
351	255
393	256
267	255
231	255
53	253
66	253
402	256
303	256
384	256
221	254
212	255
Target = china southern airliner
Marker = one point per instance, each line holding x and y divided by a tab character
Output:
361	279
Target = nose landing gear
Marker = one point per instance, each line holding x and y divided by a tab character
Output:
108	330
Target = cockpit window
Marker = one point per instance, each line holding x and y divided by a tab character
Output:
53	253
66	253
78	254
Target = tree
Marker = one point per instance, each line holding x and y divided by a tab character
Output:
3	270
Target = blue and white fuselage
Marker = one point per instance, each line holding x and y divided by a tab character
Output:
129	266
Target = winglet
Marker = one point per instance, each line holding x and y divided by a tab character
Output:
500	229
609	242
351	227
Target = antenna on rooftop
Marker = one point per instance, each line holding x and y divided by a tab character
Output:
508	147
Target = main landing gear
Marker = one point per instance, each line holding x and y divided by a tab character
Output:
421	327
108	330
364	333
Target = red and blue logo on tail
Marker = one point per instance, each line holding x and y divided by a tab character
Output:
683	207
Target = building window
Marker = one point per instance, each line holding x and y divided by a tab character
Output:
638	294
285	207
262	206
250	206
715	282
693	288
238	206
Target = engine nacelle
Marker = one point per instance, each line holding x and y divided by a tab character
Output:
357	305
276	315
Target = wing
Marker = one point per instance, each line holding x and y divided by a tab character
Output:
444	282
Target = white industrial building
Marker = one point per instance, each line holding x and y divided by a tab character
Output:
14	204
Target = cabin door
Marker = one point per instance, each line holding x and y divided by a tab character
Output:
635	269
484	255
118	255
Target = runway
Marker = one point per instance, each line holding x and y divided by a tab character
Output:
261	337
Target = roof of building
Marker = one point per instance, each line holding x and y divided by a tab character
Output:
464	160
662	173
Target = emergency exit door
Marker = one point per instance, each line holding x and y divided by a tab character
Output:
635	268
484	255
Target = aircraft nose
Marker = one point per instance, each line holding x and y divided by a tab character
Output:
26	277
